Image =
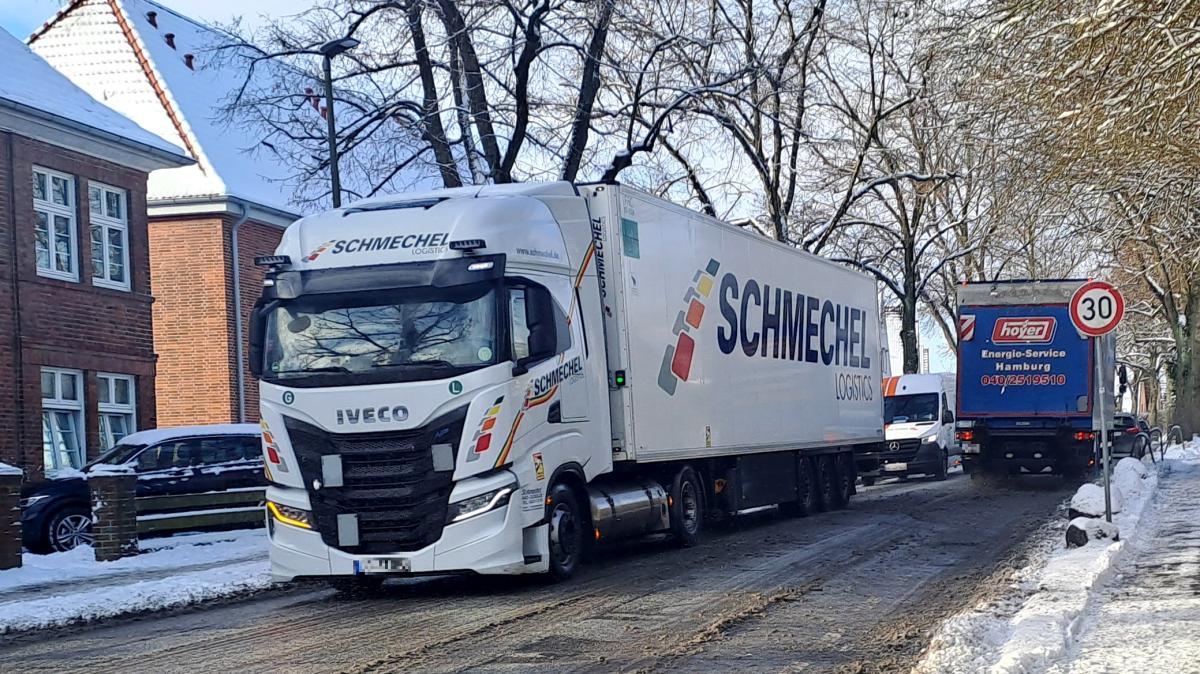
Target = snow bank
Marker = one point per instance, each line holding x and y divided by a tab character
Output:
1027	632
112	600
1089	500
69	587
6	469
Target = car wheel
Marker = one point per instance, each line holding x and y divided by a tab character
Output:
566	531
69	528
943	468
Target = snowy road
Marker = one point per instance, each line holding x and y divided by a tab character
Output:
851	591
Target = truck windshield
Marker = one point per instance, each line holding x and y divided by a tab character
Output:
394	335
909	409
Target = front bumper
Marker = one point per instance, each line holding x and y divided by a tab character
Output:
924	460
492	543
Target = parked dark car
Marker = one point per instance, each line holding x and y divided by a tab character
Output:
56	515
1130	436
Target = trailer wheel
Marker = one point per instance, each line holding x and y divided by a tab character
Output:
566	531
826	482
844	472
687	507
806	490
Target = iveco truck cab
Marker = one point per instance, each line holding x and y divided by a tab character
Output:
489	379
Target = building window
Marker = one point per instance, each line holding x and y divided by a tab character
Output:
54	224
109	217
62	418
117	408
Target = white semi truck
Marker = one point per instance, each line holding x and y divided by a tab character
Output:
490	379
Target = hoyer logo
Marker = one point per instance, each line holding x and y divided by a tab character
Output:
429	242
371	415
1031	330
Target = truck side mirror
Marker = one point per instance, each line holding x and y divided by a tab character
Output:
258	330
949	417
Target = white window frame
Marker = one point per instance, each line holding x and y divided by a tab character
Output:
52	209
112	407
59	404
102	277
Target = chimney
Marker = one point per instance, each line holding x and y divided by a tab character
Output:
188	60
152	17
170	38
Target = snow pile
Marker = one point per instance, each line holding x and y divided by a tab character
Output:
1000	639
66	474
1185	452
6	469
1129	477
1089	501
71	587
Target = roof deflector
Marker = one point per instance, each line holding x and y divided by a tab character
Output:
395	206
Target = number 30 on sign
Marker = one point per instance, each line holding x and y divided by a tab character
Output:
1096	308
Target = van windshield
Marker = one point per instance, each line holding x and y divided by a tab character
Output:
400	335
908	409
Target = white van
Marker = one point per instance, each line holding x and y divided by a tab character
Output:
918	417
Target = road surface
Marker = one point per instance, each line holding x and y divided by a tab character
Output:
858	590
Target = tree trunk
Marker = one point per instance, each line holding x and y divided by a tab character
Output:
908	328
589	87
431	114
1186	379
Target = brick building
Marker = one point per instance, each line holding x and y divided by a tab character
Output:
77	357
207	221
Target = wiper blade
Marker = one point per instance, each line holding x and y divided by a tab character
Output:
311	370
418	363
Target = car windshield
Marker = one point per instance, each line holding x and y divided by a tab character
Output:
909	409
119	453
424	333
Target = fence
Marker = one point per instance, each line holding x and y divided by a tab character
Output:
185	512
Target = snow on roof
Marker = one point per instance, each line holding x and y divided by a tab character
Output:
32	83
156	435
139	59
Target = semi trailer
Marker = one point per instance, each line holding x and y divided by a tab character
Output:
1026	380
491	379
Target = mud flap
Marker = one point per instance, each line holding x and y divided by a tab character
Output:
535	546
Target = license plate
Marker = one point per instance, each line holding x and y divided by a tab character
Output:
382	565
895	466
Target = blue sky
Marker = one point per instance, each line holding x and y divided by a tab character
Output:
22	17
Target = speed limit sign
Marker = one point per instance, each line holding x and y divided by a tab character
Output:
1096	308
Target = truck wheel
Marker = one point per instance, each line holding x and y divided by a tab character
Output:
687	507
844	472
566	531
826	482
356	586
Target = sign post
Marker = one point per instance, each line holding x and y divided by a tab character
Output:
1096	309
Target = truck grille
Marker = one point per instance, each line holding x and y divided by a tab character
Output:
388	481
900	450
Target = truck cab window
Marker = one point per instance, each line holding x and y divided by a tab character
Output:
520	323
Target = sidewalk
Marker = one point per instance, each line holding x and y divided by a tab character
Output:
71	587
1147	619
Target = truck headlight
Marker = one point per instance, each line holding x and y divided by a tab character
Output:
289	515
932	438
477	505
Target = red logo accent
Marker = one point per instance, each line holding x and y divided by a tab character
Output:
966	328
1031	330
